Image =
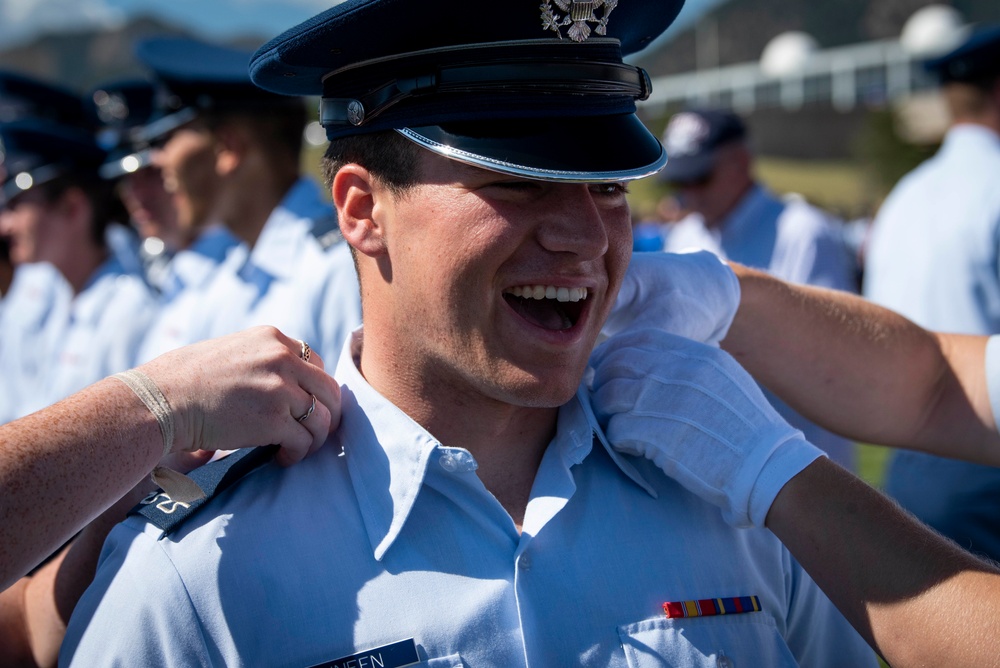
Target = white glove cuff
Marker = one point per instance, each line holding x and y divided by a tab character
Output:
789	456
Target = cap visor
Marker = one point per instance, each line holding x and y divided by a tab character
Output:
579	150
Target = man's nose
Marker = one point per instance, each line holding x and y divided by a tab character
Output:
574	223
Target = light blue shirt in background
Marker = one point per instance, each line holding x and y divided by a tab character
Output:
75	341
29	325
299	277
385	535
190	271
934	251
934	256
792	240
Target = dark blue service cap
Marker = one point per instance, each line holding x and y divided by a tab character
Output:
536	90
34	152
977	59
25	97
193	77
692	139
123	108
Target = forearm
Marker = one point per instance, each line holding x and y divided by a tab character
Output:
60	468
864	371
916	597
48	597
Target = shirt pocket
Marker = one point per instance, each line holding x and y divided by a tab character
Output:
721	641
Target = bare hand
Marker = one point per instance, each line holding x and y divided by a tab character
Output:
247	389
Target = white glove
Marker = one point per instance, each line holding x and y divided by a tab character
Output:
696	413
694	295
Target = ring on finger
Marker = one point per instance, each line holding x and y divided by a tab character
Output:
309	412
305	352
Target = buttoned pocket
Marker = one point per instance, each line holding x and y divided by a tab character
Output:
723	641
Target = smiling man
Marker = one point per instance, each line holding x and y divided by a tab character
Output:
469	511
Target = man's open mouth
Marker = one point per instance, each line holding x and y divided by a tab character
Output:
547	306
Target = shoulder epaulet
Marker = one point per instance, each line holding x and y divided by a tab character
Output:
326	230
213	478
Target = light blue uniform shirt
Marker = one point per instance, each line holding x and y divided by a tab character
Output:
35	309
190	271
934	256
96	336
294	278
789	239
385	535
55	343
934	251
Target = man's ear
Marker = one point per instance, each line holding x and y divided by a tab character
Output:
358	196
230	148
74	205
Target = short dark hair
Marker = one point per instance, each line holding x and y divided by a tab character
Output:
389	156
278	129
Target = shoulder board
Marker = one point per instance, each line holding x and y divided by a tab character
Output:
326	230
214	478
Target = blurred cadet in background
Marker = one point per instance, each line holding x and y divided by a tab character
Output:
735	217
229	153
934	256
75	312
123	107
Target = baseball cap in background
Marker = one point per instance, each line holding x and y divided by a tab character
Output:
976	60
692	139
192	77
534	90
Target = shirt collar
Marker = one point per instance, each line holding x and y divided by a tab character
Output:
971	135
388	453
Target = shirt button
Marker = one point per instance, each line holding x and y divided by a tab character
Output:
524	561
448	462
457	460
723	661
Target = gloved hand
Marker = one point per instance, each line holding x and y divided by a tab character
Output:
695	412
694	295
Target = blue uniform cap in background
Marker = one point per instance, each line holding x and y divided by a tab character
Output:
692	139
34	152
975	60
536	90
123	108
25	97
192	77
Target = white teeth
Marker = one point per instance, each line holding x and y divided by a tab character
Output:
549	292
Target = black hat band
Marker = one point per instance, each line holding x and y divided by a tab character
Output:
569	77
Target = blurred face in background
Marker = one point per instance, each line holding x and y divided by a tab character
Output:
718	192
34	227
187	163
151	208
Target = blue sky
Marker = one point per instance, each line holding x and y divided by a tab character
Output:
22	19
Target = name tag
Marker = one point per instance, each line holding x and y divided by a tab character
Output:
396	655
